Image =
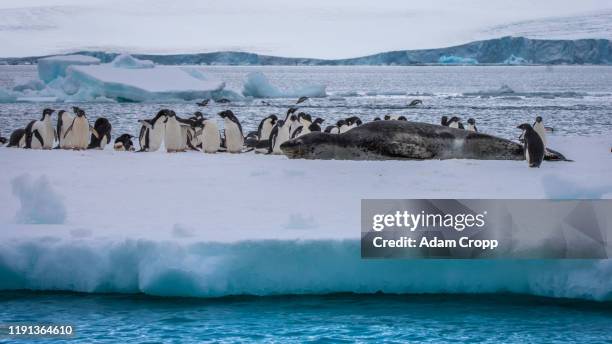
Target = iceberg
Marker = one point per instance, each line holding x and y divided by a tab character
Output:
258	86
50	68
6	96
78	78
452	59
515	60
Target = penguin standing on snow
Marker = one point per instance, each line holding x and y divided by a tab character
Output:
294	124
102	128
265	127
64	120
210	136
175	136
124	143
152	131
234	138
534	147
279	135
77	133
538	126
17	138
471	125
343	126
40	134
316	125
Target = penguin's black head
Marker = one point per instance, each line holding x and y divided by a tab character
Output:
319	120
524	126
454	119
280	123
539	119
61	112
273	118
402	118
387	117
291	110
198	115
48	112
377	119
340	123
80	112
293	118
471	121
226	114
444	118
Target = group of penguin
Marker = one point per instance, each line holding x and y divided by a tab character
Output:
73	131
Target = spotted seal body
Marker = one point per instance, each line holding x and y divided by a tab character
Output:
384	140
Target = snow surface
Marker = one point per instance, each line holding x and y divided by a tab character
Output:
195	224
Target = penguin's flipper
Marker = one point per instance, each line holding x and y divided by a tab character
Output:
38	137
94	132
108	139
145	123
68	130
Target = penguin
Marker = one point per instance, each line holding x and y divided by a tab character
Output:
234	139
78	132
152	131
17	138
299	132
279	135
3	140
102	128
471	125
391	117
305	119
301	100
290	112
353	122
538	126
124	143
415	102
455	122
343	126
40	134
203	102
444	121
265	127
210	136
175	135
316	125
534	146
402	118
331	129
64	119
293	123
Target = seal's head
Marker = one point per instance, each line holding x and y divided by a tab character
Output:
307	146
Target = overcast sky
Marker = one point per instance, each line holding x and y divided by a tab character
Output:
309	28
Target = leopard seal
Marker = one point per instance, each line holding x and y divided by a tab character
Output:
389	140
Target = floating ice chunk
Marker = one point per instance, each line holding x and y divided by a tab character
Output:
40	203
452	59
127	61
6	96
30	85
140	84
515	60
258	86
503	90
50	68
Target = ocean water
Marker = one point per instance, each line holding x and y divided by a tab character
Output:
575	100
338	318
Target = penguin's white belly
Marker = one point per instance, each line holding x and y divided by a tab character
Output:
282	137
334	131
233	139
46	131
344	129
454	125
80	133
173	137
470	128
304	131
156	136
527	155
211	141
103	142
539	128
265	131
65	141
22	142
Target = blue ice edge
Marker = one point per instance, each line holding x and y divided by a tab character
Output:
275	267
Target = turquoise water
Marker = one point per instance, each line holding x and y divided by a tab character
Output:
340	318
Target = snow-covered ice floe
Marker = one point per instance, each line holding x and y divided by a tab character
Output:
77	78
202	225
258	86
